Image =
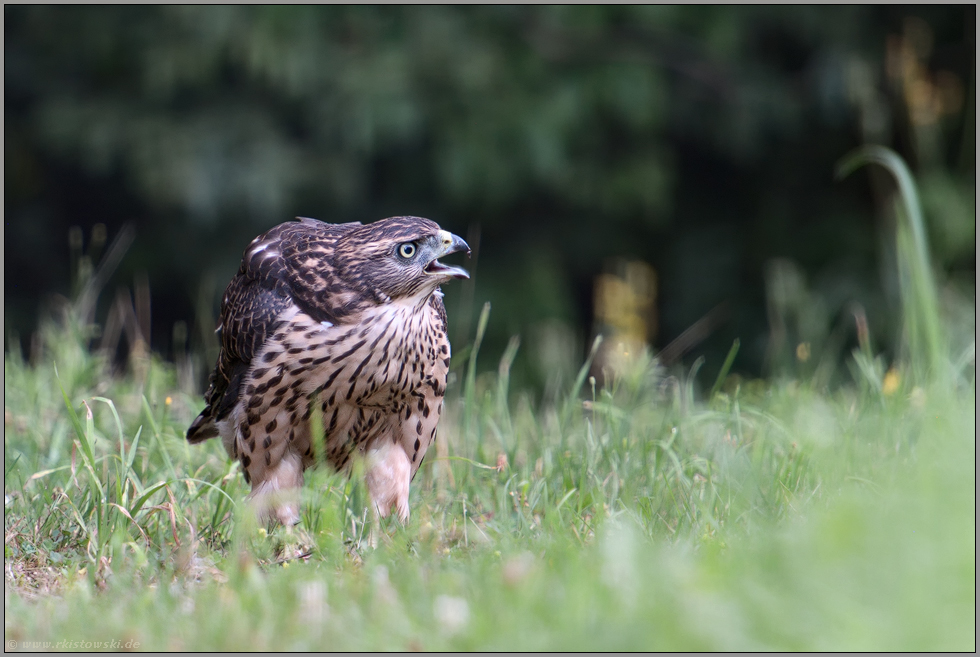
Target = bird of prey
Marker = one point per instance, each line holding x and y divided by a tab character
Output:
342	319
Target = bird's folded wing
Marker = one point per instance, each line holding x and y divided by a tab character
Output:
287	267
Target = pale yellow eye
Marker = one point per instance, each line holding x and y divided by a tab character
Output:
406	250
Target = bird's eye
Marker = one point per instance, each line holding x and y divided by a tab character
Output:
406	250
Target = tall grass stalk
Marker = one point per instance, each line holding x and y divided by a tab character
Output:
920	307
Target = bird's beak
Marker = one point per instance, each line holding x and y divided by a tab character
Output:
445	244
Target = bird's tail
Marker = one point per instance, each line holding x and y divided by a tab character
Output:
202	428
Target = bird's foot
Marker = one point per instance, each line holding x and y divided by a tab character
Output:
291	542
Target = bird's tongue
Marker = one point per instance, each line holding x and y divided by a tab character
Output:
436	267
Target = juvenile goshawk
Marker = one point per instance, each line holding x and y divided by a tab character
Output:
348	318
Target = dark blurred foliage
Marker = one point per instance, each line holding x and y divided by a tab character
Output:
698	139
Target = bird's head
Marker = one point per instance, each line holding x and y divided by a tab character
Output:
398	257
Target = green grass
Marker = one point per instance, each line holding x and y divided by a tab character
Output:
767	516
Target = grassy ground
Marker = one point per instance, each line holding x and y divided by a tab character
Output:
647	516
770	518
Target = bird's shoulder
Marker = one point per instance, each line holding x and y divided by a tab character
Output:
295	260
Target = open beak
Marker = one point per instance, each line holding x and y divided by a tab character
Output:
447	243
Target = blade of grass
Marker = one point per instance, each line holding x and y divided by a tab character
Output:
141	500
75	422
132	450
571	401
158	439
115	415
503	389
120	474
919	291
469	394
723	372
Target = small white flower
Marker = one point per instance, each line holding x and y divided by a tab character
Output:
451	613
312	601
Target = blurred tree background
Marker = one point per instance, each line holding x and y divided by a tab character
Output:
627	169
